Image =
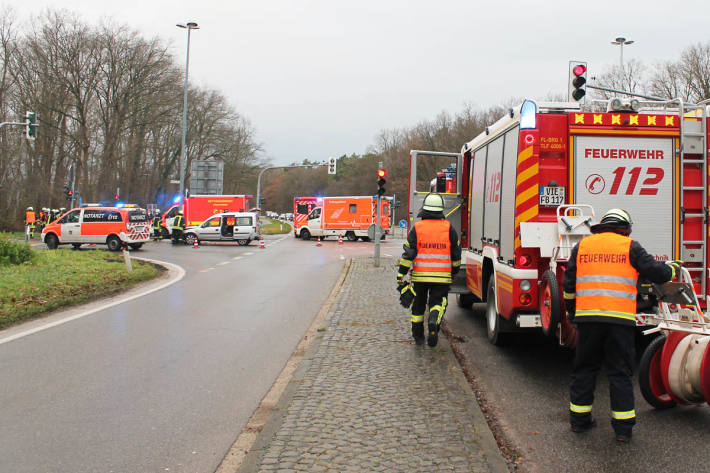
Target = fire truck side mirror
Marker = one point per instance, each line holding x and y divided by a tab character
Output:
577	83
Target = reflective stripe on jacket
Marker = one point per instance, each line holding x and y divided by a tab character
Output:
433	260
606	280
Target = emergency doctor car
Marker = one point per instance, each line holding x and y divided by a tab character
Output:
111	226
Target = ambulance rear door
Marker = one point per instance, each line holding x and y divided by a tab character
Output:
634	173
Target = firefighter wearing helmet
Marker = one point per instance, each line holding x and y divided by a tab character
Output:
30	221
433	253
178	227
157	228
600	298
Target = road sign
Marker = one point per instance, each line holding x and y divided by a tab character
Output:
403	223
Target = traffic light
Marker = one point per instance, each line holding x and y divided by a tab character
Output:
381	174
332	162
116	197
30	125
577	81
68	192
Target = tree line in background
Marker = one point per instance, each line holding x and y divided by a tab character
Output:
109	102
687	78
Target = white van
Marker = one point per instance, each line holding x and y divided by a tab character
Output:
242	227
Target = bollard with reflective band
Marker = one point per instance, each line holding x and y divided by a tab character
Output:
318	244
261	243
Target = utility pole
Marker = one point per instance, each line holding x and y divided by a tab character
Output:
378	202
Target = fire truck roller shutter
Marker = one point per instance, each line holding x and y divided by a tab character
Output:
477	187
492	191
507	204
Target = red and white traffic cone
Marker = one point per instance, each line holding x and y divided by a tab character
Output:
261	243
340	239
196	243
318	244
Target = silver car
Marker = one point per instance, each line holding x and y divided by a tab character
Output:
242	227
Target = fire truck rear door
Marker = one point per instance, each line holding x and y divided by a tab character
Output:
452	202
636	174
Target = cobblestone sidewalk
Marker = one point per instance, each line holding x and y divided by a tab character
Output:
366	399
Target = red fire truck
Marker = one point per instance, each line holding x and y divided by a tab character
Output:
529	186
350	217
198	208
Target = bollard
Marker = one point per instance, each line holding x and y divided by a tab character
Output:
127	259
196	243
318	244
340	239
261	243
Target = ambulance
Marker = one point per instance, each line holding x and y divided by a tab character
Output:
198	208
111	226
350	217
530	185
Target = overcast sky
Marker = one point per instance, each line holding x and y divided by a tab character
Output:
320	78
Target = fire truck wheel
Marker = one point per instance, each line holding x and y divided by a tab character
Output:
305	234
135	246
113	243
242	242
190	239
493	318
51	241
351	236
650	380
550	307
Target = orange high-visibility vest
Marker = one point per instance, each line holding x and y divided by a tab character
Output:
606	281
30	216
433	260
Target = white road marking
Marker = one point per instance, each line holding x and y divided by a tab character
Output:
179	273
205	270
223	263
238	257
247	254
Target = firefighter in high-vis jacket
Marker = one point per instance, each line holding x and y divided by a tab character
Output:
157	226
30	221
178	227
433	253
600	298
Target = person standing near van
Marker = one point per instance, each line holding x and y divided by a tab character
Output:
178	227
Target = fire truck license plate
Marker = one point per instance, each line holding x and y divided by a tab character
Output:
552	196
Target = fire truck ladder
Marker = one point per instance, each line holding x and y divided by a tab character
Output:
694	152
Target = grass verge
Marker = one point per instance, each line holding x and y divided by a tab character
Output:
274	227
64	277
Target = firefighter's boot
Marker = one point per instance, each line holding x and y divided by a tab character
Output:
433	338
418	332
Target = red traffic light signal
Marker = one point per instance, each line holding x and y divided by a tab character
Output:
382	173
116	197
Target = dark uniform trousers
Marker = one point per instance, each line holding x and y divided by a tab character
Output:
434	293
611	346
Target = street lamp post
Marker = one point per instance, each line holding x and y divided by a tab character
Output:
191	25
621	42
258	180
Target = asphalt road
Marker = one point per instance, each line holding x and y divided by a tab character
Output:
526	384
165	382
